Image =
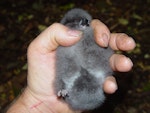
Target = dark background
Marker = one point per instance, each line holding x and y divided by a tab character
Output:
21	21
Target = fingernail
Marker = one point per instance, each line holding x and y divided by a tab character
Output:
75	33
105	39
113	86
129	62
131	43
110	85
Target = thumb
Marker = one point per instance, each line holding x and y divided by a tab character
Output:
55	35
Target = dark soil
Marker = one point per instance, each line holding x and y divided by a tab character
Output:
22	21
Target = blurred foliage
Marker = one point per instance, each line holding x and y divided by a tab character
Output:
21	21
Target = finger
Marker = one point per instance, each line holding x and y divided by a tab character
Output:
121	41
120	63
55	35
101	32
110	85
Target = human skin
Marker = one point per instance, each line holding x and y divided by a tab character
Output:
39	96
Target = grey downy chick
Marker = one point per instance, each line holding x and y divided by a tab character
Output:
81	68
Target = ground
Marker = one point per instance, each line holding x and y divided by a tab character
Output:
22	21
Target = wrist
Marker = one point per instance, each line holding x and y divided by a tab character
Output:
18	105
29	103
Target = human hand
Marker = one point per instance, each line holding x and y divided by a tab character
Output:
41	62
41	59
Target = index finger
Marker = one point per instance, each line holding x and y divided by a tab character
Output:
101	32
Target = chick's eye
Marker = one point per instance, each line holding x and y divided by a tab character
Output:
84	22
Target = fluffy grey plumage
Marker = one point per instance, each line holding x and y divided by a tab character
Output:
82	68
